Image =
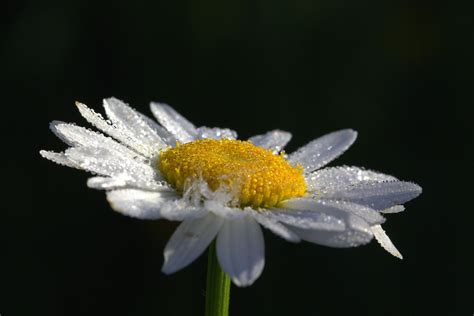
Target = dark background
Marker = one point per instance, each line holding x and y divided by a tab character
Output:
400	73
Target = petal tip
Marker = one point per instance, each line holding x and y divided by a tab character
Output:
55	125
418	188
168	269
353	133
43	153
241	283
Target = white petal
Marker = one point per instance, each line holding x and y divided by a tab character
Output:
335	178
74	135
105	162
151	205
106	183
128	119
334	213
393	209
166	136
175	123
59	158
357	233
178	210
138	203
385	242
189	241
241	250
323	150
221	210
322	218
380	195
215	133
371	216
274	140
273	225
116	132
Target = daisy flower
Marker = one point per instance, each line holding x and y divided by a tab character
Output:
227	189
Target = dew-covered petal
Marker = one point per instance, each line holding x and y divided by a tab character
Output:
273	225
105	162
152	205
138	203
379	195
385	241
106	183
241	250
327	214
322	218
217	207
371	216
274	140
189	241
59	158
393	209
215	133
180	209
323	150
120	134
166	136
74	135
357	233
125	181
336	178
175	123
128	119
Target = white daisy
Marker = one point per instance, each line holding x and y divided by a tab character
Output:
225	189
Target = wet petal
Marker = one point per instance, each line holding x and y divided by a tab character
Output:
385	242
138	203
380	195
273	225
152	205
371	216
116	132
74	135
357	233
316	218
105	162
241	250
215	133
189	241
120	182
166	136
217	207
274	140
393	209
175	123
336	178
126	118
332	212
323	150
59	158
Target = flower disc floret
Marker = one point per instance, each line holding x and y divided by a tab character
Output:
254	176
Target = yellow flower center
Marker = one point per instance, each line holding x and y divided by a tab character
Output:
255	176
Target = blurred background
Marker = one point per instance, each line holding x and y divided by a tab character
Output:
400	73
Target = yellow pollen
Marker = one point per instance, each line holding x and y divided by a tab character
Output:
255	176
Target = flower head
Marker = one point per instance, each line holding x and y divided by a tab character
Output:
226	189
253	174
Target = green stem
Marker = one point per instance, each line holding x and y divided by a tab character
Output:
218	286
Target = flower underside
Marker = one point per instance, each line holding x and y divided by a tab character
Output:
253	175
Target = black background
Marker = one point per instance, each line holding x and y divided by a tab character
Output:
400	73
